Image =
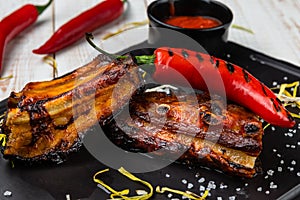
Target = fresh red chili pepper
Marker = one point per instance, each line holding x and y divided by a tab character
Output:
172	64
16	22
76	28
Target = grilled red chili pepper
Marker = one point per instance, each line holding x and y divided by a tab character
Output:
204	72
240	86
76	28
16	22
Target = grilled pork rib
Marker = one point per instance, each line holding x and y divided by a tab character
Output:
204	131
45	120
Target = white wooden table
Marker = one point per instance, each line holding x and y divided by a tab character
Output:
275	24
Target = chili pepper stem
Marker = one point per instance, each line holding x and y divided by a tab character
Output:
42	8
145	59
89	37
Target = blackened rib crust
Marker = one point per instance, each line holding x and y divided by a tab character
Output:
46	120
175	123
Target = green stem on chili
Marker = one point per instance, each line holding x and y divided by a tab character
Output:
42	8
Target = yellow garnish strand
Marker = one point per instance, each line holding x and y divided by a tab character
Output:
187	194
6	77
242	28
52	62
3	139
287	97
126	27
121	195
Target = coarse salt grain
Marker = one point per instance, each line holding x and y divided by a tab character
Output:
274	150
202	188
238	189
7	193
201	180
278	155
231	198
259	189
293	162
68	197
184	181
291	168
190	186
270	172
267	192
219	198
282	162
279	169
168	175
298	173
211	185
223	186
170	195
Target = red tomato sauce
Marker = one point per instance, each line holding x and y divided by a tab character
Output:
197	22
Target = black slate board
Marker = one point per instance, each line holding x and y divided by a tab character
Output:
74	177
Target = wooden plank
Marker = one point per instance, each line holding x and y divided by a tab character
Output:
19	61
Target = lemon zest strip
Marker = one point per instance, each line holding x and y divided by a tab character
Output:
119	195
6	77
3	139
126	27
52	62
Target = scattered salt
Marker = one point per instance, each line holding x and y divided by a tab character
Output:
168	175
170	195
231	198
238	189
211	185
298	173
68	197
259	189
202	188
184	181
201	180
7	193
279	169
293	162
223	186
219	198
190	186
270	172
267	192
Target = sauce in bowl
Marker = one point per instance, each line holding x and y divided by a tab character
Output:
194	22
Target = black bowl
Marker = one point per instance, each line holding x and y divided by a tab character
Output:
211	39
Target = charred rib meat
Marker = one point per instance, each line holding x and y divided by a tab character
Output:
46	119
228	139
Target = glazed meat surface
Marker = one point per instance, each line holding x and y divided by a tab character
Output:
46	120
200	128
